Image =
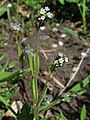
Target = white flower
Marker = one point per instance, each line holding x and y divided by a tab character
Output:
55	62
42	11
9	5
61	60
42	28
29	52
83	54
47	8
55	29
50	15
16	26
60	43
42	17
66	59
57	24
54	45
39	18
63	35
60	54
5	44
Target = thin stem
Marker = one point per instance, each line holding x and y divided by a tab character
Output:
84	15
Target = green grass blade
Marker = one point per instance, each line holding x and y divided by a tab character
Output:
5	66
12	64
30	60
2	57
7	104
70	31
43	95
82	84
35	90
2	10
8	76
83	113
48	106
44	118
71	96
4	101
19	50
62	116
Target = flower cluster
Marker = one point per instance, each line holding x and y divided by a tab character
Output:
29	52
44	13
16	25
60	60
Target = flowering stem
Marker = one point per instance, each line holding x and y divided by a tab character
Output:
79	65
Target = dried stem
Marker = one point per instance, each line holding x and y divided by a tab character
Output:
71	79
43	52
55	80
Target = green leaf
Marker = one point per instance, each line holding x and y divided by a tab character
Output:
8	76
44	118
5	66
43	94
73	95
52	67
66	98
70	31
31	3
48	106
2	83
72	1
12	64
19	50
62	116
2	57
83	113
8	93
62	1
2	10
4	101
82	84
25	113
31	62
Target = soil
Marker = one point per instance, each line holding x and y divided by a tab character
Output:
48	49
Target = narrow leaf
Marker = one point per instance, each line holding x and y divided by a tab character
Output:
8	76
2	57
2	10
44	118
61	1
82	84
62	116
70	31
83	113
25	113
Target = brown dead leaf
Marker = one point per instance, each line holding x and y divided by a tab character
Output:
2	2
22	11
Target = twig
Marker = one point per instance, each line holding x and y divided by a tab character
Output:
71	79
55	80
3	2
49	85
48	51
44	53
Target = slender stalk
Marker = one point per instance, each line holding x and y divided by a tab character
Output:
84	15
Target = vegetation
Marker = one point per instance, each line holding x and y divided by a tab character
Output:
37	15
